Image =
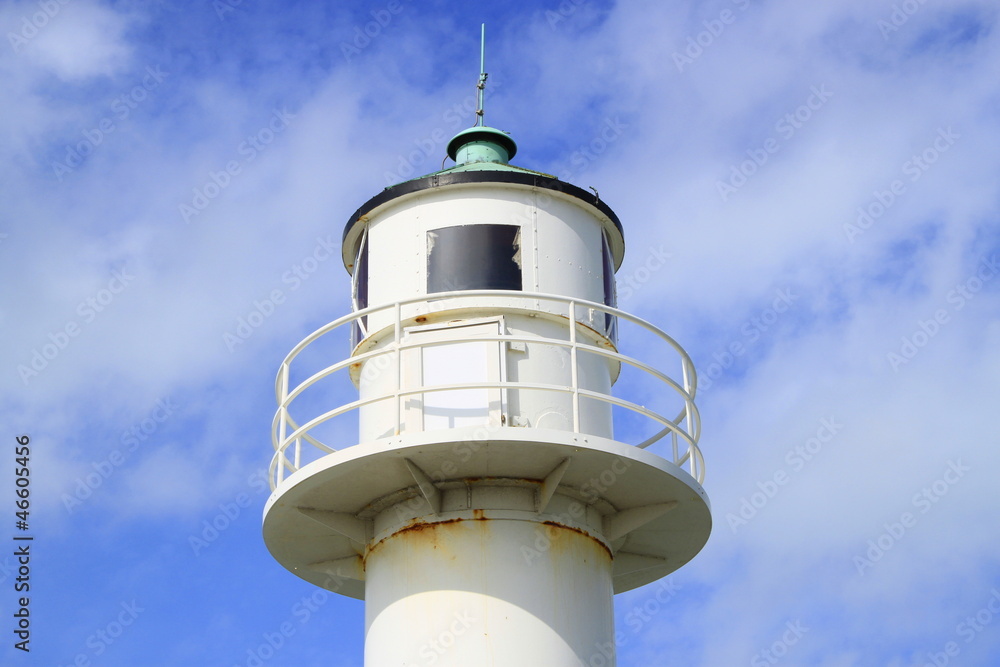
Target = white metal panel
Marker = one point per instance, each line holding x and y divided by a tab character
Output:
570	258
439	363
561	242
548	364
507	593
398	235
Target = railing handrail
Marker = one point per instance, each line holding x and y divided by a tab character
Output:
303	430
505	338
509	294
282	439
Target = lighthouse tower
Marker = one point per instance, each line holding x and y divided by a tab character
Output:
472	464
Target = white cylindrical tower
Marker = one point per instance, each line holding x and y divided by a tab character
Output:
473	489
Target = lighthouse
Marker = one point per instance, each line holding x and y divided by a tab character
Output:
460	450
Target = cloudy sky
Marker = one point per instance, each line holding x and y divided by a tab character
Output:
825	178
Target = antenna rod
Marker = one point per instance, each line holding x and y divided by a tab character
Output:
481	86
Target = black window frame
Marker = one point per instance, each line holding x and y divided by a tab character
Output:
474	256
610	288
359	291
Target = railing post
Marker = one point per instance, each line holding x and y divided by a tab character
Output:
398	336
574	373
282	421
282	409
685	378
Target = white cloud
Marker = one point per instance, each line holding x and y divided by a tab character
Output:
73	39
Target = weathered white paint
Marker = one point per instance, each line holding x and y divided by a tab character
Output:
488	586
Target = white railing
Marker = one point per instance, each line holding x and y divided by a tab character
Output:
684	428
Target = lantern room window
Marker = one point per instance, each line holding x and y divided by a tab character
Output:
469	257
360	292
610	291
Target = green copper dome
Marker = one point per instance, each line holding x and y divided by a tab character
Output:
481	144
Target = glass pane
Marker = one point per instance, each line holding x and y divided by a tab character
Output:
474	257
361	277
610	290
360	289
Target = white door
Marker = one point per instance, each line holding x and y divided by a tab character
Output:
448	355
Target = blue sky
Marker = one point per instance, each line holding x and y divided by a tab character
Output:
840	156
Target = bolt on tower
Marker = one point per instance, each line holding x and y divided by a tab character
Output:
486	486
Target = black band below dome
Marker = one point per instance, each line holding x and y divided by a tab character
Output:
480	176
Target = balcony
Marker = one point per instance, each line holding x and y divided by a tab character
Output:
533	357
